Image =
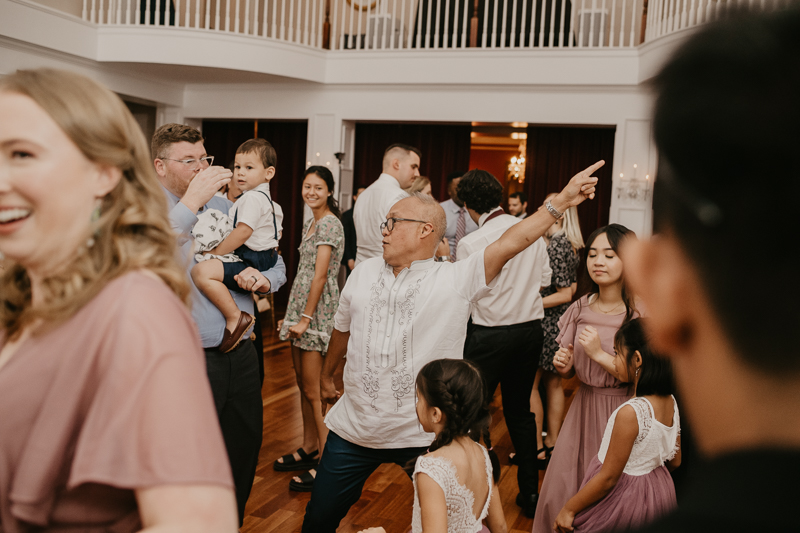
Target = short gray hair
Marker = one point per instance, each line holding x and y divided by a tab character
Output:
433	212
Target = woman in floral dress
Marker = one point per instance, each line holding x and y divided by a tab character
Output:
564	242
309	316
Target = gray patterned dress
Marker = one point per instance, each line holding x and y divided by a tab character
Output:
564	262
329	231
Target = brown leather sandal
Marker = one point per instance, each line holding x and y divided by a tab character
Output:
230	340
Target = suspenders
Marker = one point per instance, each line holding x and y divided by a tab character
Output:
274	220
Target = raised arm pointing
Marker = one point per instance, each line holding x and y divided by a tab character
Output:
522	235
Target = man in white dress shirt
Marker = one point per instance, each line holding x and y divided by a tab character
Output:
518	204
505	338
400	168
396	313
458	222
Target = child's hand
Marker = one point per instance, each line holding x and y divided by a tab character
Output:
280	324
373	530
564	521
563	359
590	340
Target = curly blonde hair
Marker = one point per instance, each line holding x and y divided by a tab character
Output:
133	231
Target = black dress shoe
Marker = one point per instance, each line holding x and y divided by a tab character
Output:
528	504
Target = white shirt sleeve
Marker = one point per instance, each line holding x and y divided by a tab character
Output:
547	270
341	320
470	277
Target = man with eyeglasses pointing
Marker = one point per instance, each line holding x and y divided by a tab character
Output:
396	313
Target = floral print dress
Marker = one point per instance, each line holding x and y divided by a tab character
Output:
564	262
328	231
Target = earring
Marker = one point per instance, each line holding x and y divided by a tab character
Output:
93	220
96	211
637	372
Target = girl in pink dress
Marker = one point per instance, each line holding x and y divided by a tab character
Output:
587	331
628	484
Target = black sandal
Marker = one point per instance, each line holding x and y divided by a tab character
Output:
307	460
306	483
541	464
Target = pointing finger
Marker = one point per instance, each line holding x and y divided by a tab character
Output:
594	167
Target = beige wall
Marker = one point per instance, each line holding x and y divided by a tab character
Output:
73	7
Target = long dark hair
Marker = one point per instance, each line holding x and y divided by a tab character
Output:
327	176
616	233
656	371
457	388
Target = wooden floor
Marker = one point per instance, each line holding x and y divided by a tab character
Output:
387	497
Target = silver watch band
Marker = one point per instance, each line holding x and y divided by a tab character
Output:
552	210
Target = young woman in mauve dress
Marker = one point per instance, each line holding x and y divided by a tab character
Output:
588	326
628	483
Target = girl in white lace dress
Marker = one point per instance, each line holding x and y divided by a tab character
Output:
454	485
628	485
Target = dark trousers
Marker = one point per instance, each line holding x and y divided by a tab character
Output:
236	387
341	474
509	356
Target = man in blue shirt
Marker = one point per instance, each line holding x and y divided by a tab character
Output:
190	184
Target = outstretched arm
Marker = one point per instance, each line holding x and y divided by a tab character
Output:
522	235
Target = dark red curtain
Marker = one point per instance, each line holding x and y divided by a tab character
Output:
555	154
223	137
444	147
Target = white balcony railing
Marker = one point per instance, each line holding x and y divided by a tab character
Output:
423	24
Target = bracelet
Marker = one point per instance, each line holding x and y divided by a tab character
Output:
552	210
443	258
306	316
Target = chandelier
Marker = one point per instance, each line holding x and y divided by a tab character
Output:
516	167
634	189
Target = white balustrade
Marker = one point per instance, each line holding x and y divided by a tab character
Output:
426	24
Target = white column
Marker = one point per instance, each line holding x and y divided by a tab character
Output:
633	145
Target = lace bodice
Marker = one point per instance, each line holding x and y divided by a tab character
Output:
654	445
460	500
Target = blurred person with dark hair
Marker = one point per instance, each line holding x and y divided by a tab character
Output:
726	127
459	222
505	338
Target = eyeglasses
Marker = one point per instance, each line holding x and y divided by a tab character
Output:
193	164
390	222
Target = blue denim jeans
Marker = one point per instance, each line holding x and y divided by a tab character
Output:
341	474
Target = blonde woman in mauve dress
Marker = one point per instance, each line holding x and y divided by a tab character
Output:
108	423
587	333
